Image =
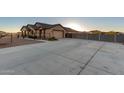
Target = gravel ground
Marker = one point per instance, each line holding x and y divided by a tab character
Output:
6	42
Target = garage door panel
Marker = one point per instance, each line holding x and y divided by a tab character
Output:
58	34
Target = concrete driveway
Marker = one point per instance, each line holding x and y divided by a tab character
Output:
63	57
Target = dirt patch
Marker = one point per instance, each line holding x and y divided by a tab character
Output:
6	42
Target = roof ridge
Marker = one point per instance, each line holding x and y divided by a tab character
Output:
42	23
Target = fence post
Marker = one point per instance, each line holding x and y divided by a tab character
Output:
87	36
115	38
99	36
11	38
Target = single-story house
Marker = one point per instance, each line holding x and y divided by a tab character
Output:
43	31
70	32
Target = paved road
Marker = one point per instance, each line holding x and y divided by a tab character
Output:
63	57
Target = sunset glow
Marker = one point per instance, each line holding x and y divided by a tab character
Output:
75	26
14	24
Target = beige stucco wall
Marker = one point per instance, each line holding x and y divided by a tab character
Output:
48	33
59	28
57	32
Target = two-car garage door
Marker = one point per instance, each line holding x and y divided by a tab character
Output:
58	34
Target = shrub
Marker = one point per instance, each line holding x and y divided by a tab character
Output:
33	37
52	39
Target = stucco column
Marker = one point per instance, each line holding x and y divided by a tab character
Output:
44	36
22	34
28	34
40	33
34	32
25	33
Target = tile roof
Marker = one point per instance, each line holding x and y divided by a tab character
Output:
25	28
70	30
33	26
38	25
43	25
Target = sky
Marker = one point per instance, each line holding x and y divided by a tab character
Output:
14	24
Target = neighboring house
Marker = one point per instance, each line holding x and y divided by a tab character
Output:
43	31
70	30
95	32
112	33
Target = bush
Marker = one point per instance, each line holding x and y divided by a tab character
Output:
52	39
33	37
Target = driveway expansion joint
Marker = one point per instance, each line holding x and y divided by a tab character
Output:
86	64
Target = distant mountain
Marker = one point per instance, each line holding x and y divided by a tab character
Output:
70	30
